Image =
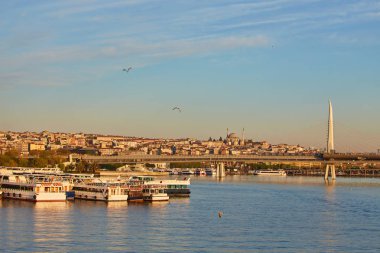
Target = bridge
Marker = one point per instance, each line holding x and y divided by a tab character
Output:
185	159
337	159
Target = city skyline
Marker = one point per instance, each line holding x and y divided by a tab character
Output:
266	66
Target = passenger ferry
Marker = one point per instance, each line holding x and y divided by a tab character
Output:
135	186
154	193
101	191
281	173
173	187
36	189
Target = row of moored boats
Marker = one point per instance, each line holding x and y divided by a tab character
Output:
45	187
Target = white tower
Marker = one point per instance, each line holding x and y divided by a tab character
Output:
330	144
242	138
330	133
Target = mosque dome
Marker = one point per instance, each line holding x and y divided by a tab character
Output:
233	136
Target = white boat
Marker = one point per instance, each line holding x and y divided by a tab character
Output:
173	187
186	172
33	189
173	172
210	172
281	173
154	193
101	191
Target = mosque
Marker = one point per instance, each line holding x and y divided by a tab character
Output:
233	139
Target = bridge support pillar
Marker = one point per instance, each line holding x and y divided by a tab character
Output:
330	167
220	171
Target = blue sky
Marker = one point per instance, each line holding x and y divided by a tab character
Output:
269	66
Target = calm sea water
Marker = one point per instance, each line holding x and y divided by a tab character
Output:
292	214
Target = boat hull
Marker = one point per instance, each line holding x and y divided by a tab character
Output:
156	197
35	197
184	193
135	196
70	195
98	196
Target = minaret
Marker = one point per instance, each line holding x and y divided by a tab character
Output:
227	133
330	133
242	138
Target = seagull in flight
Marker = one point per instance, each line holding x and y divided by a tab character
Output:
128	69
177	108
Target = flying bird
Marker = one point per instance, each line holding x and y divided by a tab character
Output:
127	70
177	108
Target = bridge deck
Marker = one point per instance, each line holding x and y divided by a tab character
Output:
294	159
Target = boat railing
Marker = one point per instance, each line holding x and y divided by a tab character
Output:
154	186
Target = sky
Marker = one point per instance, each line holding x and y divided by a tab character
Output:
269	66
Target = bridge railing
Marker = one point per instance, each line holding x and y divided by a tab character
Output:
351	156
197	158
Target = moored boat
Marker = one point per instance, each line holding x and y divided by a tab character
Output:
154	193
135	189
101	191
41	189
186	172
210	172
270	173
173	187
200	172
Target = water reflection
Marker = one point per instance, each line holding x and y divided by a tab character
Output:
51	206
180	201
117	205
329	223
159	204
51	226
220	179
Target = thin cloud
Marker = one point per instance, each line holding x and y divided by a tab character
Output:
283	14
36	64
81	7
121	48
